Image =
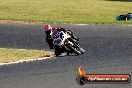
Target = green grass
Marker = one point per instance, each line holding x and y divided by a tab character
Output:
65	11
11	55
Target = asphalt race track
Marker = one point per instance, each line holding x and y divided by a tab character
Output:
108	50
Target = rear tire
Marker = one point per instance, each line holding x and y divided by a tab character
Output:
57	52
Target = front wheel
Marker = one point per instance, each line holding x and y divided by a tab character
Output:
82	50
75	50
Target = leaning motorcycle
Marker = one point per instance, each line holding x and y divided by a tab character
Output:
63	42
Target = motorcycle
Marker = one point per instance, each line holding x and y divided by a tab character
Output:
63	42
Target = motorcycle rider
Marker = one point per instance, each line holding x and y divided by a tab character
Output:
49	31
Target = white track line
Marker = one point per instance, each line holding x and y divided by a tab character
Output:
21	61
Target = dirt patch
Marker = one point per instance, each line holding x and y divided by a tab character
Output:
19	22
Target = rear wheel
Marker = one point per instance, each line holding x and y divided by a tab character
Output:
57	52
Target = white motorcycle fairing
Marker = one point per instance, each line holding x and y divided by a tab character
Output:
59	38
63	42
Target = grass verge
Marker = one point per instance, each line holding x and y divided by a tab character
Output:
11	55
65	11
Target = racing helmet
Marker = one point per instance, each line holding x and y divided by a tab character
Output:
47	27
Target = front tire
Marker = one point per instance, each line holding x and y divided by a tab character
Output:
74	49
82	50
